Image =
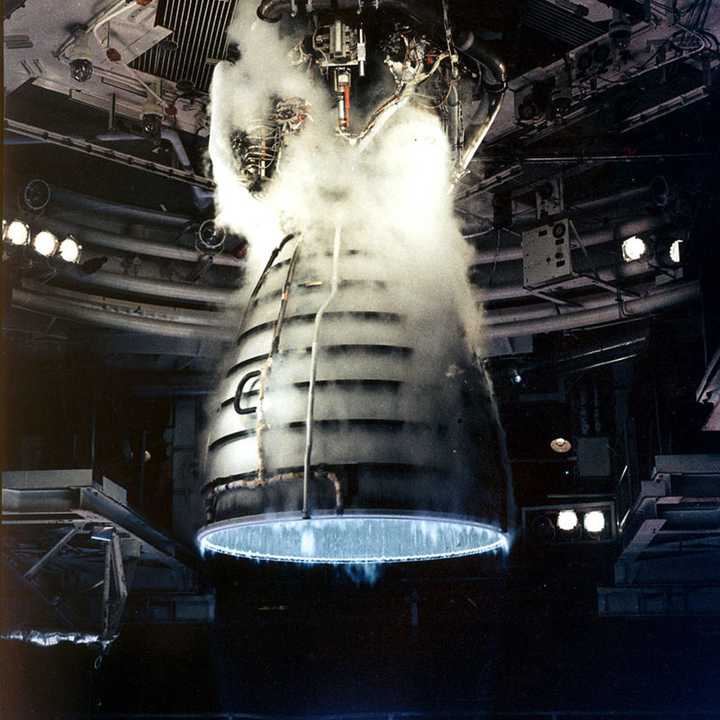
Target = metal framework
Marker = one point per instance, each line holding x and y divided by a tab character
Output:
668	566
105	153
62	530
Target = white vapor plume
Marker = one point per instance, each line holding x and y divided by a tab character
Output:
391	194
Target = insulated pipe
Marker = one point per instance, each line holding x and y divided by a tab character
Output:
74	311
127	308
175	315
100	238
131	213
182	328
653	302
625	229
151	287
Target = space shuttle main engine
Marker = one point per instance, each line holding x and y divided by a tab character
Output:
352	423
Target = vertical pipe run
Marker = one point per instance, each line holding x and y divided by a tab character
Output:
313	373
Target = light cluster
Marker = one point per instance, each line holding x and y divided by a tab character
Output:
44	242
593	521
666	250
570	523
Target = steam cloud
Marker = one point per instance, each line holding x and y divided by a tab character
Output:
395	190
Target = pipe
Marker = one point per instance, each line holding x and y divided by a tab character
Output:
201	197
652	302
110	241
617	203
495	92
454	122
609	274
313	373
625	229
127	323
123	308
147	286
131	213
272	10
13	139
181	326
505	316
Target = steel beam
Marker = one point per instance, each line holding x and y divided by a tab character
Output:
51	553
105	153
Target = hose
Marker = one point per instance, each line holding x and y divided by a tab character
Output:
313	373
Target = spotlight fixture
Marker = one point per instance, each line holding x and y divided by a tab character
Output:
210	239
17	233
515	377
36	195
81	64
594	521
633	248
45	243
560	445
575	522
567	520
675	251
70	250
151	118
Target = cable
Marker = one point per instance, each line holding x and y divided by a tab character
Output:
112	14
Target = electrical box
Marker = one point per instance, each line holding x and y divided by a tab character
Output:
547	258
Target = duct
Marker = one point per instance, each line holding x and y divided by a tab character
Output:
150	287
75	311
201	197
652	302
395	427
624	229
110	241
130	213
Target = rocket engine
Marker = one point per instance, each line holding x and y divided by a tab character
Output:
353	422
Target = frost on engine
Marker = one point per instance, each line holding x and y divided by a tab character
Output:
352	422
